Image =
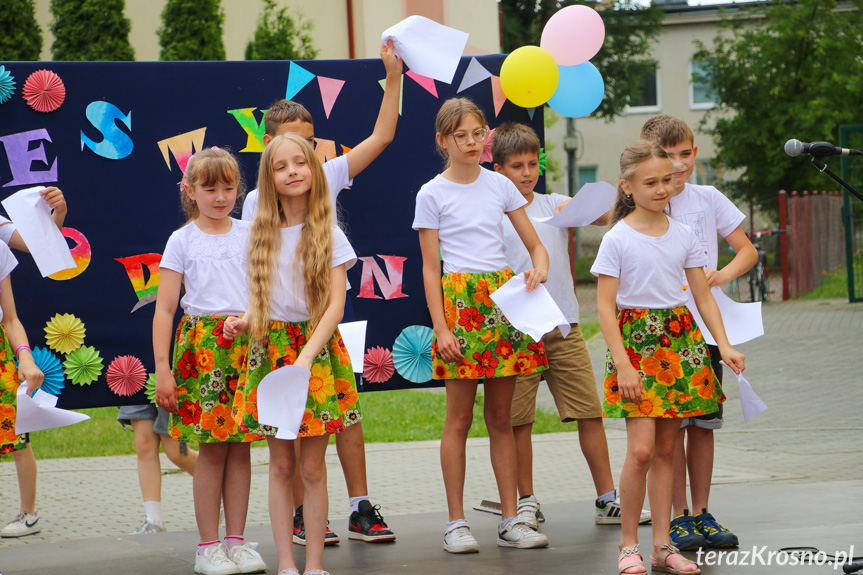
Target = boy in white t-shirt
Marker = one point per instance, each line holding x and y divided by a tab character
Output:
288	117
707	211
516	149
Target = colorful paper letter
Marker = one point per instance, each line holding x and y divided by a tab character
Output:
21	156
146	291
390	288
182	147
254	130
80	253
116	144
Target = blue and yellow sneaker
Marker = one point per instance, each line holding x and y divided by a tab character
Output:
684	533
715	534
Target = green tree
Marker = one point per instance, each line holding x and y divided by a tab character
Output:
20	36
779	71
623	60
280	36
90	30
192	30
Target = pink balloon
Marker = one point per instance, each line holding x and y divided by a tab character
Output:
573	35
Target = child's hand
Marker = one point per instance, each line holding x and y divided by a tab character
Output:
392	63
716	278
166	392
448	347
629	384
27	371
54	197
733	359
534	277
560	206
235	327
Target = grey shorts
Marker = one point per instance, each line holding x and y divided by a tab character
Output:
147	411
711	420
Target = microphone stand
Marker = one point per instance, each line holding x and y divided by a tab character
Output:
822	167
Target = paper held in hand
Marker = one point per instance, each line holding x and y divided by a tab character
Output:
32	217
428	48
533	313
590	203
282	396
40	412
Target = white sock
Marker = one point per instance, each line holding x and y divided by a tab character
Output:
355	502
153	510
607	498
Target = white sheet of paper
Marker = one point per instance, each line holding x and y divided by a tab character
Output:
354	336
32	216
588	205
428	48
750	403
282	396
534	313
742	320
40	412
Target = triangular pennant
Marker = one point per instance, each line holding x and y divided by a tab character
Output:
497	94
298	77
531	112
474	74
424	81
383	84
330	88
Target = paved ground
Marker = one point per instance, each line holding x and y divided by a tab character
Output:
804	454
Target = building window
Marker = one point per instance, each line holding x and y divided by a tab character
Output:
700	91
647	101
586	175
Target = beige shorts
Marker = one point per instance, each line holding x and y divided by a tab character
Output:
569	377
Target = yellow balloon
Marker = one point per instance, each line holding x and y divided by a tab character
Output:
529	76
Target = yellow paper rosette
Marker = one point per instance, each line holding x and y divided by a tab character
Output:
64	333
83	366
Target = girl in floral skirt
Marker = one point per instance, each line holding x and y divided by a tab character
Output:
458	216
657	368
206	257
298	259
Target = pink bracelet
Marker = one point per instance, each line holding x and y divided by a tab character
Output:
24	346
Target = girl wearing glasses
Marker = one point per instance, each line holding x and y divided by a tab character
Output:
458	216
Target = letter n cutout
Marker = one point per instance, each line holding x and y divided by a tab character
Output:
391	287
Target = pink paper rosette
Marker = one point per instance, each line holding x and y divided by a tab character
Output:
126	375
44	91
378	365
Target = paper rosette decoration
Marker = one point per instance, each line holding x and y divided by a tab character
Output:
83	366
151	388
49	365
44	91
7	85
126	375
412	353
64	333
378	365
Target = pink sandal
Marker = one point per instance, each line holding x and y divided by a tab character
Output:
659	561
628	558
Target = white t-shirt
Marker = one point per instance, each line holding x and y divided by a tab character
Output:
555	240
7	264
338	178
707	211
648	267
213	268
7	228
468	219
288	302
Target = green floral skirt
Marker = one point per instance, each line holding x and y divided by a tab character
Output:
667	349
491	346
333	402
207	368
9	441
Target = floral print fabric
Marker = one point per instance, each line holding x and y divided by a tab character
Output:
667	349
333	402
9	441
491	346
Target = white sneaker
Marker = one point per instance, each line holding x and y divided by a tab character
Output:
528	510
214	561
247	558
517	533
24	524
458	538
610	514
149	526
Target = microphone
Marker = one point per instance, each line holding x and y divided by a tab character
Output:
818	149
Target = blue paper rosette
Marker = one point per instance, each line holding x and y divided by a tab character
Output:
412	353
7	85
50	366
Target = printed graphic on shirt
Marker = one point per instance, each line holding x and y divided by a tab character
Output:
696	222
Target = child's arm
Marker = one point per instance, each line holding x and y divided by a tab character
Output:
27	369
329	321
447	344
600	221
628	379
710	313
366	151
163	324
746	257
56	201
538	254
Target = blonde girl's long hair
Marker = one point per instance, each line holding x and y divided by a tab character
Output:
633	156
207	168
314	253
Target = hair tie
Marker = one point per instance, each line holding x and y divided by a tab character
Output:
183	182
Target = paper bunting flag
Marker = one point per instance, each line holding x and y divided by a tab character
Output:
330	88
83	366
497	94
424	81
51	367
531	112
474	74
543	160
7	85
378	365
383	84
126	375
298	77
151	388
44	91
412	353
64	333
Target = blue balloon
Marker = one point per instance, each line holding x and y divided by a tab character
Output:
579	91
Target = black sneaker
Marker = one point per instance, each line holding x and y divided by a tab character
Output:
684	534
300	530
368	525
715	534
